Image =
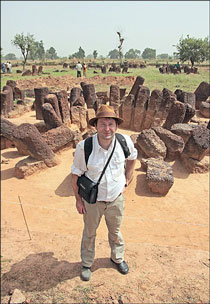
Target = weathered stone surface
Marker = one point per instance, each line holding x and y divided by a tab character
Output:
198	144
176	114
6	143
122	93
89	133
50	117
75	94
40	94
5	107
104	96
89	95
26	73
34	70
196	166
159	176
28	136
64	106
173	142
202	93
184	130
140	107
11	83
139	81
7	129
189	113
153	115
78	117
27	167
205	109
17	297
59	138
151	144
188	97
114	96
90	113
168	99
41	126
18	93
53	100
126	111
10	97
40	69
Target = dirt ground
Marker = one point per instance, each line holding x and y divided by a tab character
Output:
166	238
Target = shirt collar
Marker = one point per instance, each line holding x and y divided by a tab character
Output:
98	147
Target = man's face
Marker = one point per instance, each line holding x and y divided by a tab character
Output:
106	128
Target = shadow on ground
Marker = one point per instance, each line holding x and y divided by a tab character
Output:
65	188
42	271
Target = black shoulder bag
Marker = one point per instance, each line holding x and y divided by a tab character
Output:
89	189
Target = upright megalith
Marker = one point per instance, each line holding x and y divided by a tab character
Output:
50	117
168	99
78	117
126	111
140	108
139	81
40	69
176	114
34	70
202	93
89	95
53	100
64	106
153	114
40	94
114	98
31	139
75	97
10	97
5	104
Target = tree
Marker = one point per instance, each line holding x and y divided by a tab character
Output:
37	51
193	49
51	53
79	54
120	46
132	54
95	54
10	56
163	56
114	54
149	53
25	44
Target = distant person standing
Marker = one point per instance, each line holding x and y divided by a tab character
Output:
84	67
10	67
3	67
79	69
7	66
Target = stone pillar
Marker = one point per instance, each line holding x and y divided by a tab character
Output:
114	98
176	114
89	95
50	117
78	117
139	81
64	106
34	70
202	93
40	69
74	95
10	98
153	115
40	94
53	100
140	107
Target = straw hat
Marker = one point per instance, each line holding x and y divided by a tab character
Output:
105	112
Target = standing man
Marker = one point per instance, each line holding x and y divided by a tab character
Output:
110	199
79	69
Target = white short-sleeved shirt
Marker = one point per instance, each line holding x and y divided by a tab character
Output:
113	180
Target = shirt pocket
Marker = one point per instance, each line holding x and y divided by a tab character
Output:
94	171
117	168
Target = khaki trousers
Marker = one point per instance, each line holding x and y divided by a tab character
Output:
113	212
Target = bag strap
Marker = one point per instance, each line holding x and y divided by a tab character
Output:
102	173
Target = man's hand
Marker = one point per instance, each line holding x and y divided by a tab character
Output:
80	206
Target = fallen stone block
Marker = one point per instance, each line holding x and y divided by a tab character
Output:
151	144
196	166
173	142
184	130
205	109
159	176
28	166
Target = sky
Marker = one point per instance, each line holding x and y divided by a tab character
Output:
93	25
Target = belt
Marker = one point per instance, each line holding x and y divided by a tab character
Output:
109	201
